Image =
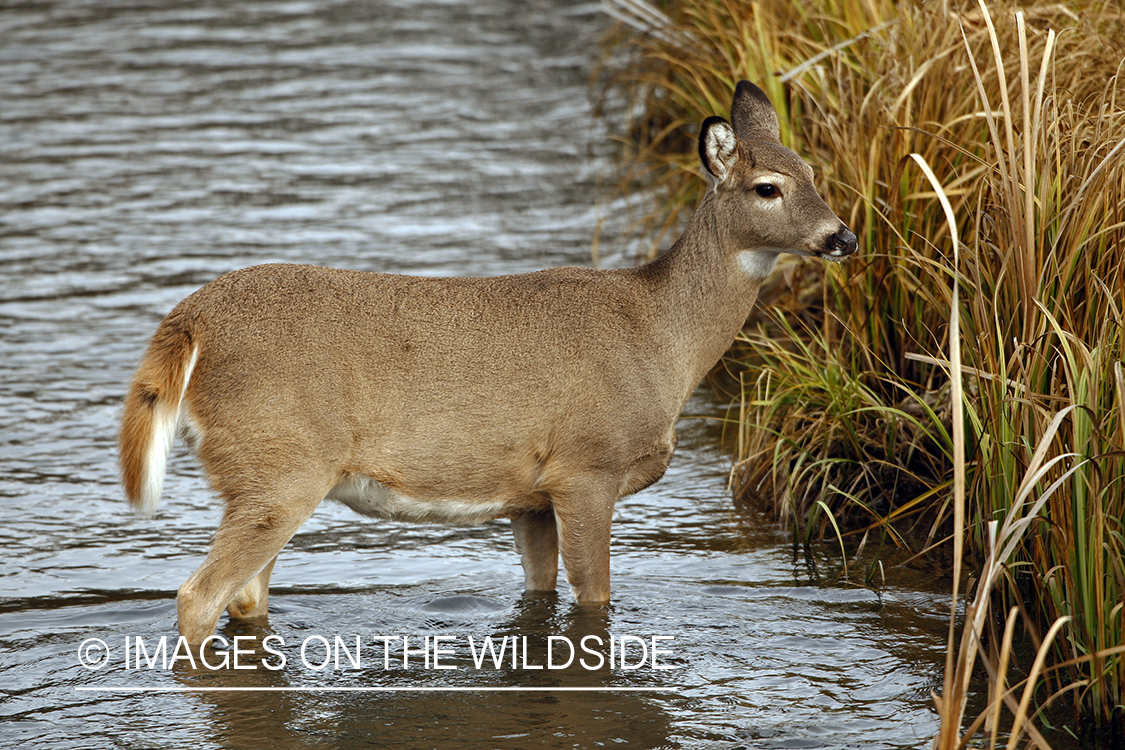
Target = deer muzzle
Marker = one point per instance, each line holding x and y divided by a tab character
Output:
841	244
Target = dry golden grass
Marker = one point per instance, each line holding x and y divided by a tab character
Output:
974	395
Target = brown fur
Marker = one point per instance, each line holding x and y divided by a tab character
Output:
542	397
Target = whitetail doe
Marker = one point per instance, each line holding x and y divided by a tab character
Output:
541	397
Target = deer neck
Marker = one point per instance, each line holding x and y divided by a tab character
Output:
704	290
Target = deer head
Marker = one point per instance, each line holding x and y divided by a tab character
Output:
765	191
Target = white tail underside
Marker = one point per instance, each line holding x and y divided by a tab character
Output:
165	424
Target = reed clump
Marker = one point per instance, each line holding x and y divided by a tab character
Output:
960	387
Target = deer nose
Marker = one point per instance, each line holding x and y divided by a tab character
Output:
842	243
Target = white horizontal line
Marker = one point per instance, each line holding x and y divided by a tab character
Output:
408	689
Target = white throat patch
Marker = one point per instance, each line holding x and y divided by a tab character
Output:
758	264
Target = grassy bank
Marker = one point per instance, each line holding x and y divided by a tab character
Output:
960	388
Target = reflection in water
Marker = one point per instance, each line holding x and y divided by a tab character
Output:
147	148
463	718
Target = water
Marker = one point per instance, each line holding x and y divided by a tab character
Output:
147	147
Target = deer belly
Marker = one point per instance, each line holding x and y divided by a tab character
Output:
369	497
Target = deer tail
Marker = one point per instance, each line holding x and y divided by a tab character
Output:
152	414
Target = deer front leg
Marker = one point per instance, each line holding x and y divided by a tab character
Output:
537	541
583	515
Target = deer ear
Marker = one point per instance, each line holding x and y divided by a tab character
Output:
753	114
717	144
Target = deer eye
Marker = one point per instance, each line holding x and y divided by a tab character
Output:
767	190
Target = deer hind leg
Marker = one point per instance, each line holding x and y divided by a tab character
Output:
254	529
253	600
537	541
583	513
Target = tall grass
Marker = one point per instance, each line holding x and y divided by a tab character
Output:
1013	235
